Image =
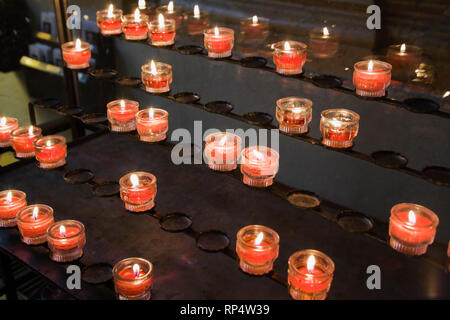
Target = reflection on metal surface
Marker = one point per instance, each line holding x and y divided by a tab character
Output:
424	74
41	66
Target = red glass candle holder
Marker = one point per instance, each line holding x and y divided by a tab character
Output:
222	149
172	12
138	191
133	279
33	222
257	249
11	201
198	22
51	151
404	60
152	124
310	273
371	78
121	115
66	240
157	77
294	114
162	31
7	125
259	166
412	228
289	57
339	127
110	21
76	54
219	42
135	26
322	43
22	140
255	28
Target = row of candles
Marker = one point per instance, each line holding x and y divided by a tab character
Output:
310	272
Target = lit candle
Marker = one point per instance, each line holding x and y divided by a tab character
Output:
172	12
162	31
109	20
219	42
51	151
371	78
257	249
259	166
412	228
7	125
198	22
339	127
404	59
138	191
152	124
66	240
133	279
76	54
157	76
11	201
222	150
135	25
255	28
310	273
121	115
323	43
22	140
294	114
33	222
289	57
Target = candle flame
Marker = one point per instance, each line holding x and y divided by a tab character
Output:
259	239
216	31
9	196
30	130
78	44
255	19
34	215
62	231
48	143
446	94
170	7
134	180
403	48
3	120
153	70
151	114
336	123
287	46
223	140
141	4
161	21
122	104
411	217
259	156
110	11
370	66
196	11
325	31
137	15
136	269
310	264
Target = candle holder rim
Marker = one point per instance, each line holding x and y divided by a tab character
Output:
36	132
10	121
295	46
23	211
165	114
176	9
258	228
124	262
146	68
60	141
139	174
223	133
203	15
359	66
67	222
273	154
306	107
116	11
418	210
319	33
167	23
328	269
66	46
355	115
261	20
113	103
414	48
129	17
17	193
223	31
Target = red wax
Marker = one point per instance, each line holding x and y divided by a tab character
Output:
135	29
51	153
219	153
132	288
4	135
196	26
37	228
257	256
339	135
371	81
159	35
23	143
294	119
154	126
74	57
9	209
110	24
220	44
140	196
155	82
124	114
64	243
291	60
416	233
309	283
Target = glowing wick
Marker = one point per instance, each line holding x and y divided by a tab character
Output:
287	46
48	143
370	66
311	263
151	114
255	20
325	31
30	130
9	197
259	156
170	7
34	215
223	140
196	11
136	270
411	217
216	31
122	104
153	70
78	44
62	231
403	48
3	121
110	11
137	15
134	180
259	239
141	4
161	21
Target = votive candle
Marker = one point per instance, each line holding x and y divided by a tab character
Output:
51	151
371	78
172	12
323	43
157	77
289	57
404	60
22	140
33	222
255	28
339	127
133	279
11	201
152	124
162	31
76	54
7	125
294	114
197	22
66	240
121	114
259	166
138	191
135	25
219	42
110	20
222	150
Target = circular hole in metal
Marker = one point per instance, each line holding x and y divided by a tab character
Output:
129	81
219	107
258	118
94	118
103	73
389	159
253	62
420	105
439	175
106	189
191	49
213	241
356	222
47	103
70	110
175	222
303	199
97	273
78	176
186	97
191	150
327	81
52	292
